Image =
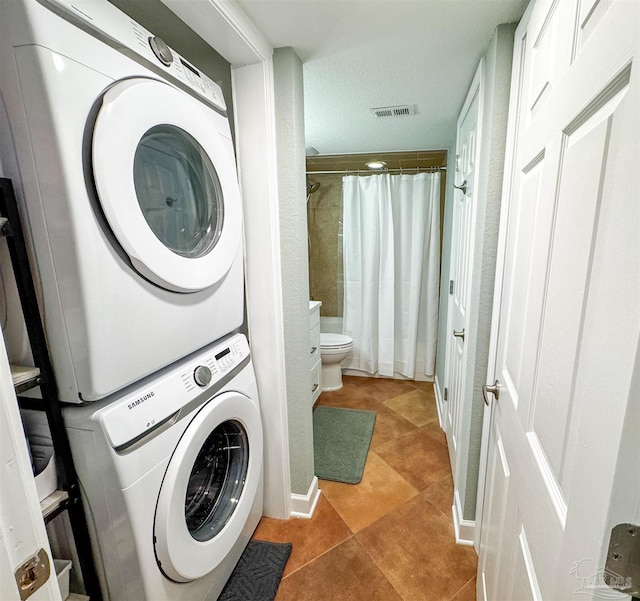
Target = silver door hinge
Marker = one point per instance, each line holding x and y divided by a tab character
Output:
457	163
446	394
450	286
622	568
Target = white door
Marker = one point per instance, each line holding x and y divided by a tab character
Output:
467	149
22	531
165	175
209	487
567	325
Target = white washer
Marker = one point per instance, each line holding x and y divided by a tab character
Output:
123	163
172	476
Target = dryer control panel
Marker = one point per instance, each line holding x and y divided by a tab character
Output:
107	21
151	405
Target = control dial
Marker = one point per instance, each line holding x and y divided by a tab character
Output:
161	50
202	375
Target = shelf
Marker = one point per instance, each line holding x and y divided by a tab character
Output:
24	378
53	503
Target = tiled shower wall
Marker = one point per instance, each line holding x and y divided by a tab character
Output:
324	217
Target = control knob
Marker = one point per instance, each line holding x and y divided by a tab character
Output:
161	50
202	375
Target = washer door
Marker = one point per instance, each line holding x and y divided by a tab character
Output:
166	180
209	487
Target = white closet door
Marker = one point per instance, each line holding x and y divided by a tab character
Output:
461	271
568	324
22	531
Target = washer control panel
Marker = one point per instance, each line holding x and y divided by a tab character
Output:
150	404
108	21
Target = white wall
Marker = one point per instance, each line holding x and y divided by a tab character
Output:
289	99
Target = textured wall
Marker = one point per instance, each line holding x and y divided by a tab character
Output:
287	69
497	75
498	80
494	126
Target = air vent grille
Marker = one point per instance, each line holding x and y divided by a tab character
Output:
403	110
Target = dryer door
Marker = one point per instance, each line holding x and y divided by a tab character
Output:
209	487
165	174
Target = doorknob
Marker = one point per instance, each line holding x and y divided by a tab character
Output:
459	334
494	390
462	187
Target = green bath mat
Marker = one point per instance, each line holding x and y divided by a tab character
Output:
341	439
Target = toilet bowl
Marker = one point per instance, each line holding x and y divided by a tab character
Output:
333	349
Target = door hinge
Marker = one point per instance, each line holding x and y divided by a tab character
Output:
446	394
32	574
457	163
622	568
451	286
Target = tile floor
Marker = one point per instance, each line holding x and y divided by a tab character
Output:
389	538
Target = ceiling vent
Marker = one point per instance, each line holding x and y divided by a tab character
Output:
403	110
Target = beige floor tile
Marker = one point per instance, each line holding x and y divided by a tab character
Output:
417	457
310	538
380	491
440	494
467	592
389	426
346	573
433	429
415	406
415	548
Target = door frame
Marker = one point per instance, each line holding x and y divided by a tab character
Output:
227	29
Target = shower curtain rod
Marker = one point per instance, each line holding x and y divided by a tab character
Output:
377	171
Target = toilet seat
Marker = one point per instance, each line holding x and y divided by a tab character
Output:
331	342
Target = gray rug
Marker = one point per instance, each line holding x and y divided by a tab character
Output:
258	573
341	439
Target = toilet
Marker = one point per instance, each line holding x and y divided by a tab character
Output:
333	349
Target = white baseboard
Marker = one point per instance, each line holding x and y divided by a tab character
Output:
464	529
439	402
303	506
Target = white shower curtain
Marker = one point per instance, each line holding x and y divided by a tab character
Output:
391	253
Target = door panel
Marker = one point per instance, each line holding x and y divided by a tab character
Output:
572	90
461	263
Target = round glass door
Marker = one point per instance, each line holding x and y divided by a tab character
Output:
210	488
216	481
164	169
178	191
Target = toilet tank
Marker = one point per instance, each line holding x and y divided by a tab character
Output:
331	325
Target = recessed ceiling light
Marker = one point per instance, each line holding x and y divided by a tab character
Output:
376	164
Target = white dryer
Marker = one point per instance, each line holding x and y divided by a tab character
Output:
122	159
172	475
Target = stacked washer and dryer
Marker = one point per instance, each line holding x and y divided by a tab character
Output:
121	155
